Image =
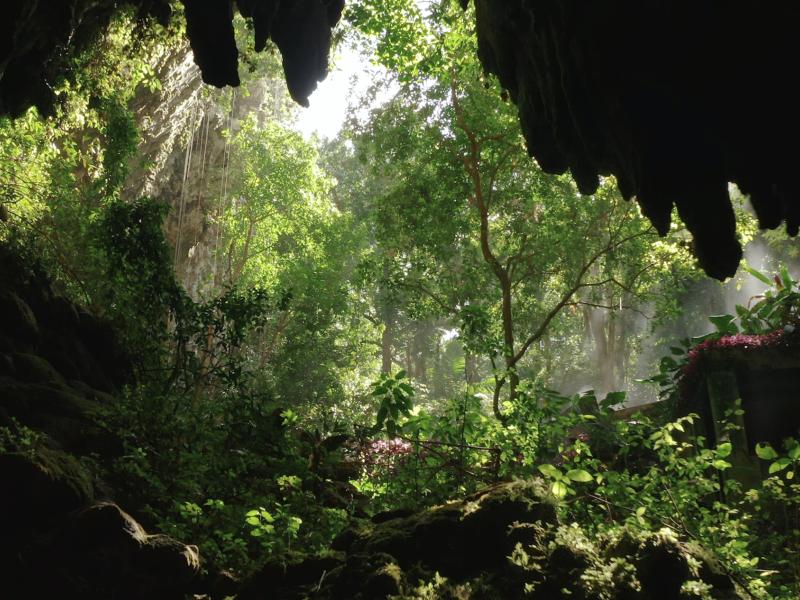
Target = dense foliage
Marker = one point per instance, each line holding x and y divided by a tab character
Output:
391	319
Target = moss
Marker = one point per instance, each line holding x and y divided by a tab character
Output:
65	469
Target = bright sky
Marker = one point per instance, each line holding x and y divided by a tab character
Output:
329	102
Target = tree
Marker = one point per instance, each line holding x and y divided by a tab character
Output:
480	231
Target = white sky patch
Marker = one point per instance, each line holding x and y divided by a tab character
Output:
449	334
329	102
348	81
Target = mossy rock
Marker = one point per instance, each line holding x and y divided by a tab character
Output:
467	542
458	538
62	413
29	401
664	564
31	368
626	565
503	542
47	484
18	320
367	576
291	576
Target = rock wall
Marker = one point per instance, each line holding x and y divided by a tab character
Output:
62	536
183	156
675	99
38	38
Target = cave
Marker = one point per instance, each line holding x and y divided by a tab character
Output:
687	105
676	100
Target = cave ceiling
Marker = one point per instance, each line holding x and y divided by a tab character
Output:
674	98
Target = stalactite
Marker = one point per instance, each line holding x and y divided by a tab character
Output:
675	99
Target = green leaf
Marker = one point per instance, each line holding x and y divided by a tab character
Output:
559	489
382	412
779	465
786	278
640	511
724	450
765	452
702	338
266	516
253	521
758	275
400	375
721	464
550	471
579	475
724	324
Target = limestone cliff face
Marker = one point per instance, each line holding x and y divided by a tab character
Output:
183	156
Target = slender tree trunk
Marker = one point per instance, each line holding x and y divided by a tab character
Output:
622	352
508	337
387	340
421	353
438	370
388	313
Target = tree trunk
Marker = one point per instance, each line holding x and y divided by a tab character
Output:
387	340
471	373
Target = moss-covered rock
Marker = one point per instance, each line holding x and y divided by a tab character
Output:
291	575
461	541
59	368
501	543
457	538
44	485
628	565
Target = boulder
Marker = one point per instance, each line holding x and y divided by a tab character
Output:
102	552
41	486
